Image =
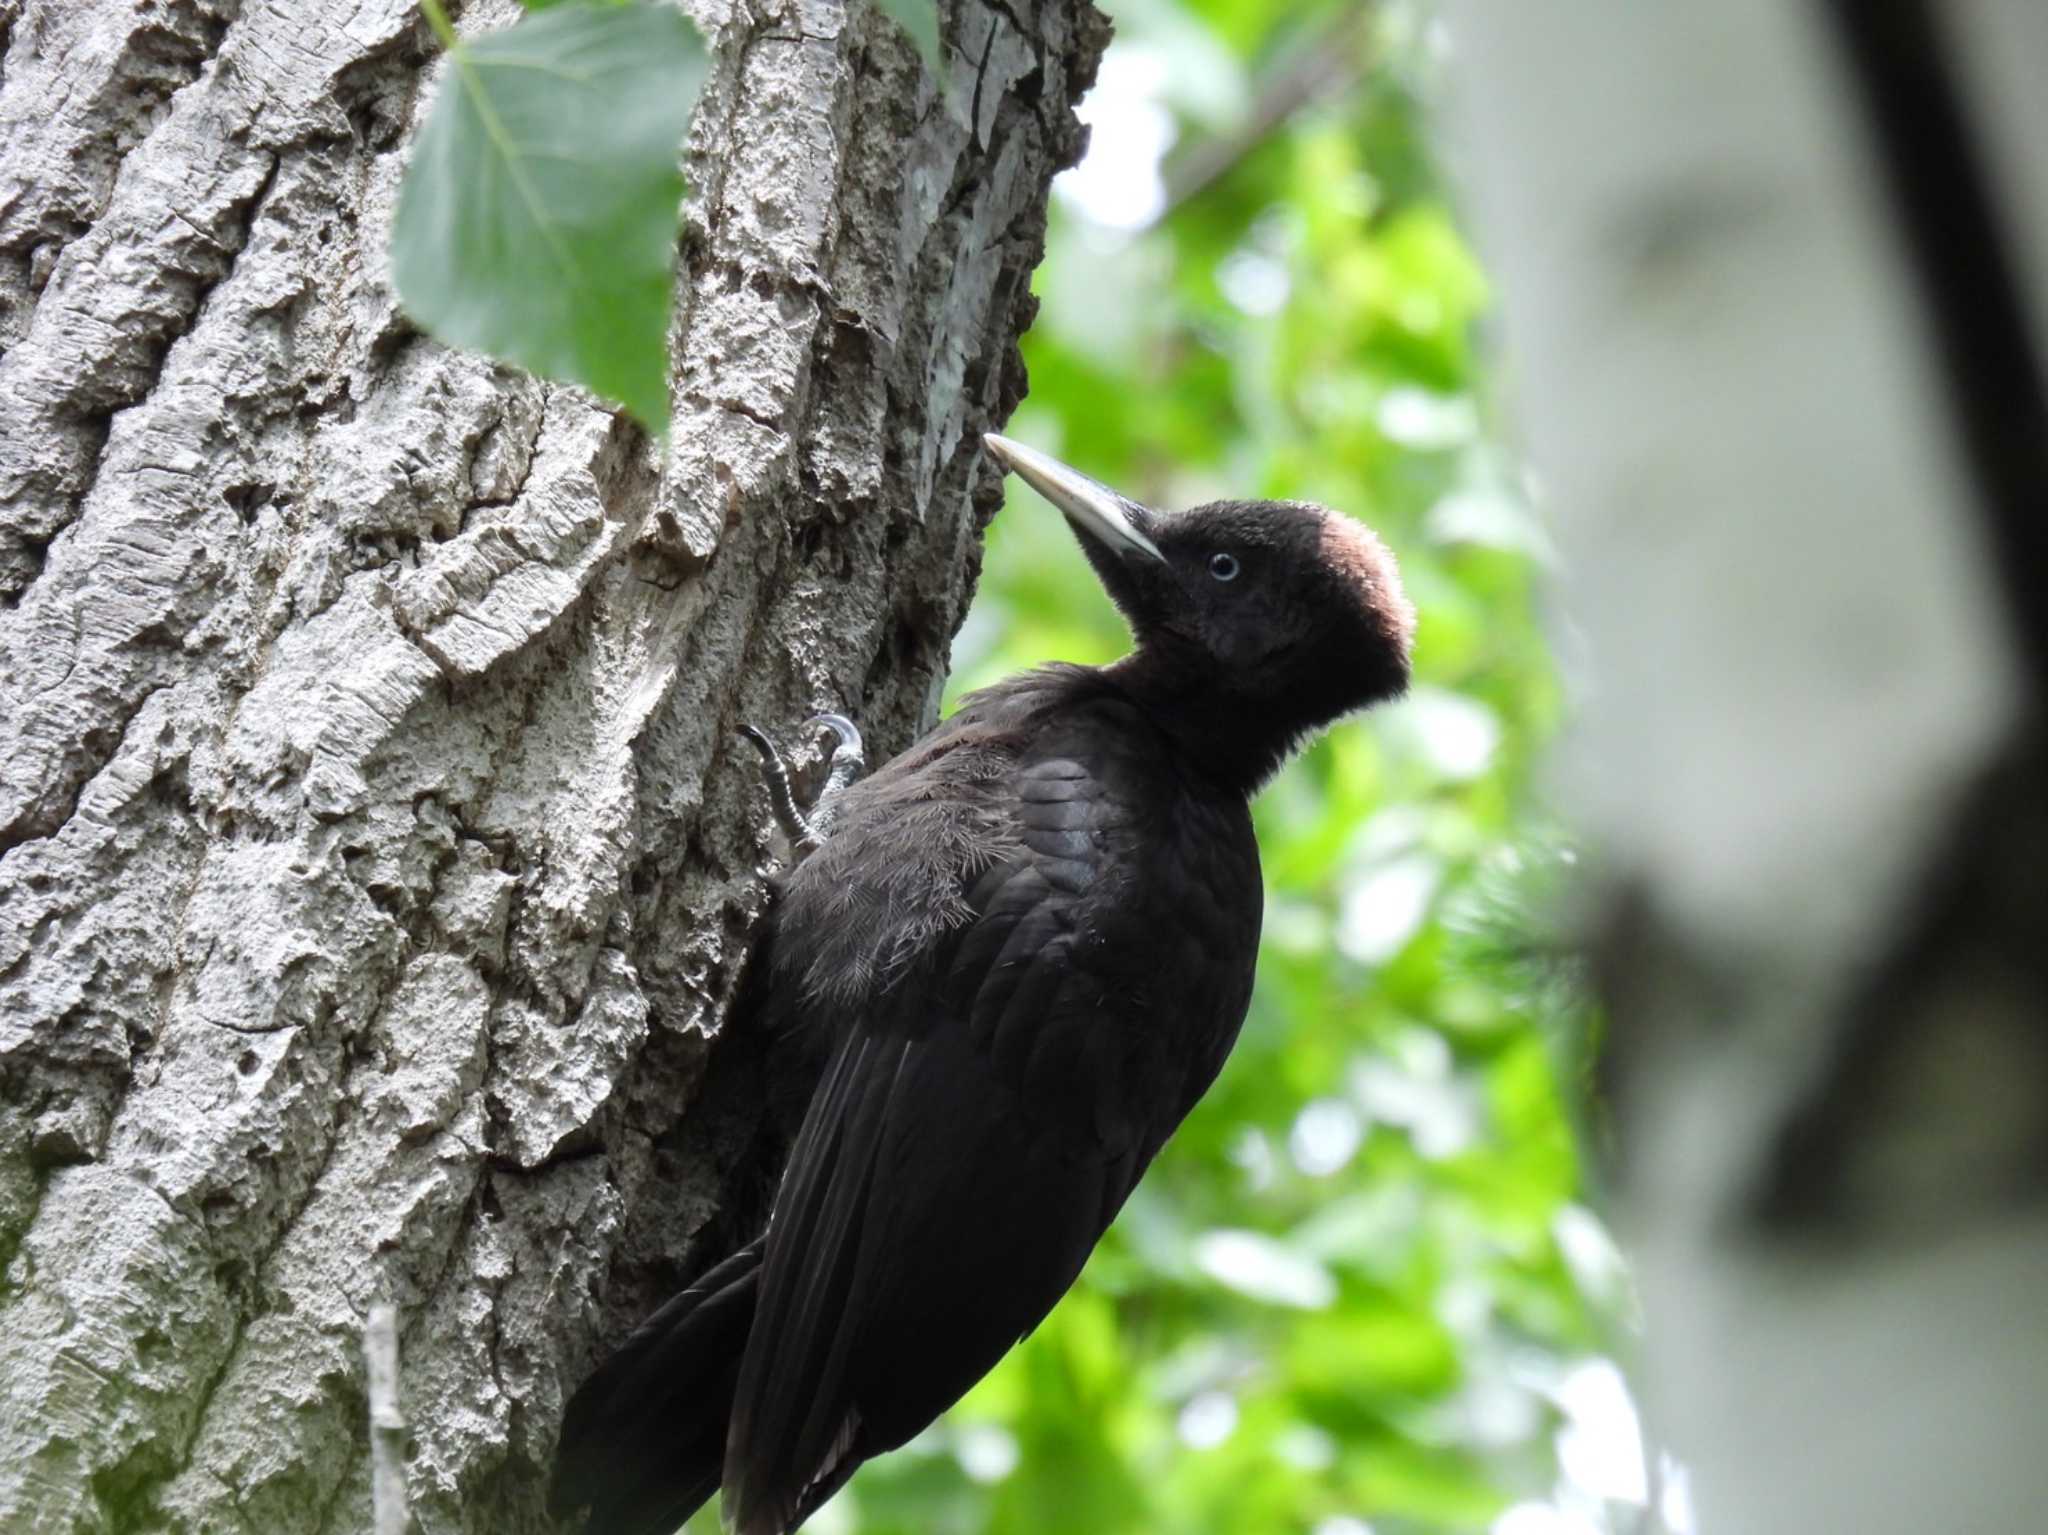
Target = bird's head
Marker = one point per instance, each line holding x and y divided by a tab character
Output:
1285	612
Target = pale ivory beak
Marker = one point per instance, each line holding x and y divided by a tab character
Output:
1092	507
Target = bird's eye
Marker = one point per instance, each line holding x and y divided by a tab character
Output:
1223	566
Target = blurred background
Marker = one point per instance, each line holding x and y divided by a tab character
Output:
1362	1292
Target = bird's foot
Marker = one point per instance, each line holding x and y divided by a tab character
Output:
807	833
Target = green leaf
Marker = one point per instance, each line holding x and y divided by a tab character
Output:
920	18
537	221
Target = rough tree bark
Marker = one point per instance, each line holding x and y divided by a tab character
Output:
376	849
1776	291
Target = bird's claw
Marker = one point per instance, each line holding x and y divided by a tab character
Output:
848	761
807	833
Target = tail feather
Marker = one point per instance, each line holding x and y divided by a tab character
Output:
643	1440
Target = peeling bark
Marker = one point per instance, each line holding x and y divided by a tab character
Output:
377	850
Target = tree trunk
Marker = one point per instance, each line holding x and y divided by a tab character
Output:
1775	280
377	854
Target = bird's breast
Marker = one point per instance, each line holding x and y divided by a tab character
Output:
1160	953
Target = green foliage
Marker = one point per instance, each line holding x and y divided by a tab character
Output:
537	221
1345	1294
919	19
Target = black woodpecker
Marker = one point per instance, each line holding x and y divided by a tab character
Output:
1026	946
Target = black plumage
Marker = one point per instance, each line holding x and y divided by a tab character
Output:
1028	943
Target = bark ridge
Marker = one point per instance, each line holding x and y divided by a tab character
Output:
376	847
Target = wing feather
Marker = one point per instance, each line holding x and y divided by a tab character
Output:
787	1409
991	1100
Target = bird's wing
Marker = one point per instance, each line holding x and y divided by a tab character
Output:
979	1123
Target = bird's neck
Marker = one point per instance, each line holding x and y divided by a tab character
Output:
1238	740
